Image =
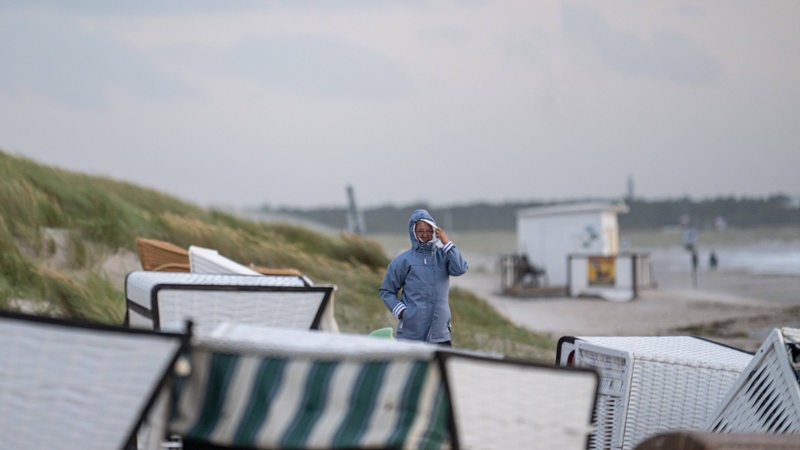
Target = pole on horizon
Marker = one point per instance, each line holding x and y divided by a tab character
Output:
355	220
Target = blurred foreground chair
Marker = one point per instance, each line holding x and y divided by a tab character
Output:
253	387
69	385
652	384
256	387
766	396
165	300
504	404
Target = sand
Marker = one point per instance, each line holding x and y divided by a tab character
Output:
734	308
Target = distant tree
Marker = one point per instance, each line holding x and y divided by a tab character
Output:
745	212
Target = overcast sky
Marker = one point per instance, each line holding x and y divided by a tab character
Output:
285	103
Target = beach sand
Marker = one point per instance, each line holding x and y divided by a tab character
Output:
730	307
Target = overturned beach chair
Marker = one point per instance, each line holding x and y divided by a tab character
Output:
256	387
70	385
206	260
766	396
652	384
165	300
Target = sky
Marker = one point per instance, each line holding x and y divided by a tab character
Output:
286	103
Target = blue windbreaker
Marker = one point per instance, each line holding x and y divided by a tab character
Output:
423	273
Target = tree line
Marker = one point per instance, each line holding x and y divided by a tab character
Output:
745	212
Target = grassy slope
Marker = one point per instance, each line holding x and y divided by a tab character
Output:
96	217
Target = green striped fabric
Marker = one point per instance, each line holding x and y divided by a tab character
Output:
260	401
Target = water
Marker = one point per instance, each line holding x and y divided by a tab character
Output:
753	259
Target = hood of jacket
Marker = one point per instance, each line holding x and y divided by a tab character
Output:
416	216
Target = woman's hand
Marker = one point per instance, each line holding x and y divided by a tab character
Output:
442	236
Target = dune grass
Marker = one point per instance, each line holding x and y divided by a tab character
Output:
56	227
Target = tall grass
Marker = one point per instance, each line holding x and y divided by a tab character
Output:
56	226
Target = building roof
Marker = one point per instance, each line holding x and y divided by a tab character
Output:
573	208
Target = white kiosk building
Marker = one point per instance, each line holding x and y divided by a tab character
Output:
576	247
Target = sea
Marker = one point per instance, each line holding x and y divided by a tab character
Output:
756	259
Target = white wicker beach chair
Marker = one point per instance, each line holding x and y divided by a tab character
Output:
69	385
206	260
257	387
165	300
653	384
766	397
503	404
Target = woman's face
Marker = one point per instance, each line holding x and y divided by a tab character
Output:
423	231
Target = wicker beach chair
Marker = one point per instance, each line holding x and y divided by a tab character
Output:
165	300
262	388
206	260
503	404
766	396
653	384
69	385
162	256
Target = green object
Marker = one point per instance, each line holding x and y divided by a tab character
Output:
386	332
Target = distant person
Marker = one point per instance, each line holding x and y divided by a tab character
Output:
712	260
423	274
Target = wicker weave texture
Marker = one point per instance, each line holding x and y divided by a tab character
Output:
656	384
497	404
155	254
766	397
70	387
139	285
207	309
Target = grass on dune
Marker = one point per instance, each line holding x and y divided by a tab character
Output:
56	227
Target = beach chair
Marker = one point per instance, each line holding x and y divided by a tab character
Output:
165	300
206	260
70	385
505	404
766	396
652	384
162	256
253	387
